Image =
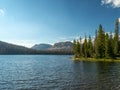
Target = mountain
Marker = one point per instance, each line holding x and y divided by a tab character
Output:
41	46
57	46
62	46
7	48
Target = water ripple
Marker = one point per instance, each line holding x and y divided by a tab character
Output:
55	72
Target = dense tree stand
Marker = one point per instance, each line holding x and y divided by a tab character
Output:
104	45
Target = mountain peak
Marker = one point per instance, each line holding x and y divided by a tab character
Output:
57	46
41	46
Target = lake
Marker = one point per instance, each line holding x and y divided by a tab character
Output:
56	72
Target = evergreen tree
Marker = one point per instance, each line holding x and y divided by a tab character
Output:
107	48
74	48
95	45
101	43
81	47
90	47
111	46
116	37
78	48
85	47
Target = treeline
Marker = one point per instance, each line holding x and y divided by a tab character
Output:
55	52
104	45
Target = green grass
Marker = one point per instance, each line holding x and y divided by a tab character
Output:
97	59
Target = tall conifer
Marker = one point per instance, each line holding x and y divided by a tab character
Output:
116	37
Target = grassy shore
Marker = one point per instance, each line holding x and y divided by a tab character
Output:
97	59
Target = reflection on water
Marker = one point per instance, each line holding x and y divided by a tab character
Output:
55	72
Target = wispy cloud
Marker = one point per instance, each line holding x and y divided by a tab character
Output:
71	38
2	12
113	3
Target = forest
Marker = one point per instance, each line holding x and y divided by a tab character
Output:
103	45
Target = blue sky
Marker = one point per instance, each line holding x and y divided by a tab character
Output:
29	22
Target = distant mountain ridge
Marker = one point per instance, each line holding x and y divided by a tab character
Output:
41	46
7	48
57	46
62	46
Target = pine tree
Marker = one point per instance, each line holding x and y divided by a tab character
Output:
78	48
101	43
111	46
74	48
116	37
81	53
90	47
85	47
95	45
107	48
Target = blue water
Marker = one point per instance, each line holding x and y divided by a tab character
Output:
56	72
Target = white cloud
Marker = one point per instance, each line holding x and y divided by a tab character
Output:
2	12
113	3
119	20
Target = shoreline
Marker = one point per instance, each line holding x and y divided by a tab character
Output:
96	59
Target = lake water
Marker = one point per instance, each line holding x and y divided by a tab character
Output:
56	72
